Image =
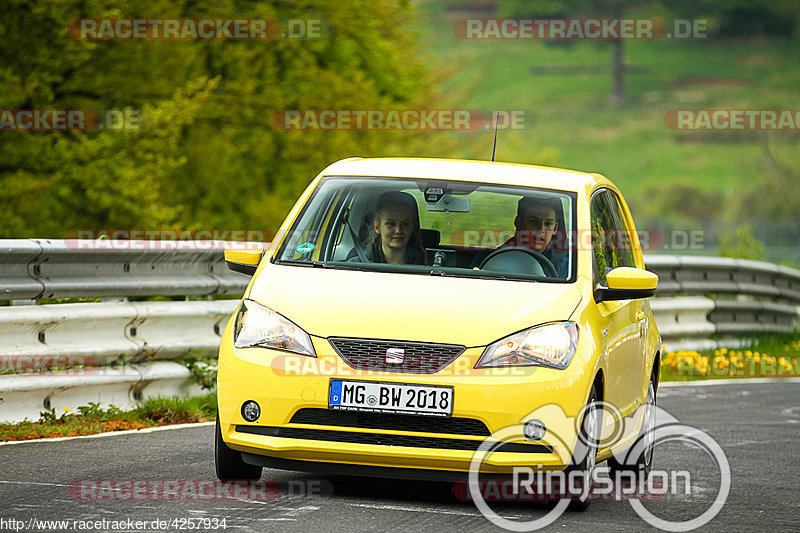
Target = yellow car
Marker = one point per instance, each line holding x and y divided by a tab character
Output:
409	310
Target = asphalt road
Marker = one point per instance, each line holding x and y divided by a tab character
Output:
757	426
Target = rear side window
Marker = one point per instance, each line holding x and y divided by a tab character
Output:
624	243
611	243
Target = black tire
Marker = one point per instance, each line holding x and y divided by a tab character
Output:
637	461
229	463
584	458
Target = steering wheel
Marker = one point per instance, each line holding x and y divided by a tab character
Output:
547	266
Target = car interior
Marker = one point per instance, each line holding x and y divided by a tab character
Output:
340	225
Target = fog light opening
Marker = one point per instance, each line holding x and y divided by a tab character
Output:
251	411
534	430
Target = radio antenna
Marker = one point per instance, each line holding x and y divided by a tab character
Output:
494	144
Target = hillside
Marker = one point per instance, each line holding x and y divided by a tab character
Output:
572	122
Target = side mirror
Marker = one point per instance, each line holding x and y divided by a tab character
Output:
626	283
243	260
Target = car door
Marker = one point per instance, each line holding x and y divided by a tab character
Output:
641	306
621	331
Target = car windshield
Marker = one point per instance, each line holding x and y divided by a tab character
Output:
436	227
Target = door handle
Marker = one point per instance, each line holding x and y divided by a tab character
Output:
640	314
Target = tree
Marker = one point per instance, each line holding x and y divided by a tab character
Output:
206	154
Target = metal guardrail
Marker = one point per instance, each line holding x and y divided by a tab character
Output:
25	396
45	268
693	275
42	268
112	332
82	339
698	297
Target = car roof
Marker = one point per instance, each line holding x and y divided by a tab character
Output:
467	170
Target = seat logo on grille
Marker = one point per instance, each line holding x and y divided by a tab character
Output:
395	356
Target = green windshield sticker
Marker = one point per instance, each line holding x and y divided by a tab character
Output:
304	248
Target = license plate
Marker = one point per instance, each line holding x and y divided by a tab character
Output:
398	398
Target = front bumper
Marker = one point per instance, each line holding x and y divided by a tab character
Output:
284	383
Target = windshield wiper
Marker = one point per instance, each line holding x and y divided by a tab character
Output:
322	264
302	263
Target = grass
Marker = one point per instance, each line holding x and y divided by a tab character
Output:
572	122
770	357
91	419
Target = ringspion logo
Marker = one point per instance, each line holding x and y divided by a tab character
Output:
563	486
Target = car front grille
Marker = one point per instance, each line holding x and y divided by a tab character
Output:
391	422
417	357
383	439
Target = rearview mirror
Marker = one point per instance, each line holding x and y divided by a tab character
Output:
627	283
243	260
448	202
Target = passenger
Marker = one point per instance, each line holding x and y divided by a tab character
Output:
396	239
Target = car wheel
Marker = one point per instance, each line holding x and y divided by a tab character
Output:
637	461
584	457
229	463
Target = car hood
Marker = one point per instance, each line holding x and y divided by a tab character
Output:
378	305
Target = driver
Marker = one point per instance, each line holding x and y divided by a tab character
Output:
535	224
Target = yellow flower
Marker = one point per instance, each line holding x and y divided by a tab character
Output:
67	409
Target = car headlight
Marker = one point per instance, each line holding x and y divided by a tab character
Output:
551	345
256	325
